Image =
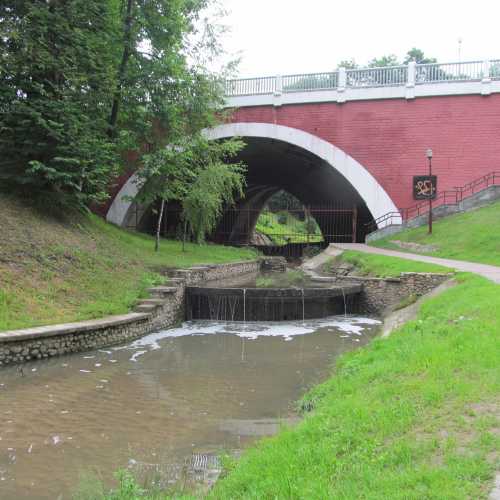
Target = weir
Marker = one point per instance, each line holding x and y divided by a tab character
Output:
269	304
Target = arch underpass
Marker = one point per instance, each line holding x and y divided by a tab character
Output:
282	158
315	172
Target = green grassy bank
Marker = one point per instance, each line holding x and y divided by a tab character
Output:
80	267
283	227
473	236
380	266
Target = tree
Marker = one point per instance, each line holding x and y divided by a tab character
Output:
348	64
384	61
216	186
418	56
57	64
201	174
162	73
165	96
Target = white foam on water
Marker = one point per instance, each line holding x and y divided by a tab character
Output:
252	331
136	355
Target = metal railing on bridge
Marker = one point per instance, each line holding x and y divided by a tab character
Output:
411	74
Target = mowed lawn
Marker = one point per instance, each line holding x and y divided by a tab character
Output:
381	266
472	236
80	267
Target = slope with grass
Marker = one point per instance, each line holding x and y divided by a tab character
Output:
380	266
58	270
473	236
283	227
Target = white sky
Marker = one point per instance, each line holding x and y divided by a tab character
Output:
301	36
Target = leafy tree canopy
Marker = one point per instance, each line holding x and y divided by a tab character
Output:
57	69
83	82
418	56
384	61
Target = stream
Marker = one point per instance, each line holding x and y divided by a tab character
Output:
200	389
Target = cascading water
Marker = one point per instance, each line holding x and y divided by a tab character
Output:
268	304
303	306
244	305
345	303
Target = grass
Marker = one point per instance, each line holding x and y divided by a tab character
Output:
473	236
381	266
291	278
292	231
54	271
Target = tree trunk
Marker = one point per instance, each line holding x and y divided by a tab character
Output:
127	42
158	226
184	236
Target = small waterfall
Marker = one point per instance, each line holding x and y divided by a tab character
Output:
268	304
303	306
345	303
244	305
233	301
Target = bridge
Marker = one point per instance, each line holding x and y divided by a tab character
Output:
355	138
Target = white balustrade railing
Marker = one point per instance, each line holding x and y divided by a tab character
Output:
251	86
450	72
377	77
495	69
310	81
411	74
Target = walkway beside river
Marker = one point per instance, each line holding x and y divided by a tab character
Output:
490	272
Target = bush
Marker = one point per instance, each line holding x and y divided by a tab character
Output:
282	219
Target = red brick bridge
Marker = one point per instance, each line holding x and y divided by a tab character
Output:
357	137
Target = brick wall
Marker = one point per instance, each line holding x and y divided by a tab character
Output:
390	137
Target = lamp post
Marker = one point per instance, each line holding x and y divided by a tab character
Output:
431	193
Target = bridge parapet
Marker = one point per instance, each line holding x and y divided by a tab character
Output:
408	81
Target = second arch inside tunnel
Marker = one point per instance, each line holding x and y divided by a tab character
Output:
274	166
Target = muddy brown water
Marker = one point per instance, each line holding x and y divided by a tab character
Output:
149	406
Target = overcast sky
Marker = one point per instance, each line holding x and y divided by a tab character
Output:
299	36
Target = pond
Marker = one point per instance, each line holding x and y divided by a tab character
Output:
202	388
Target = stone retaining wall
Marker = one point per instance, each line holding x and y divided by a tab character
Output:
196	274
381	295
166	309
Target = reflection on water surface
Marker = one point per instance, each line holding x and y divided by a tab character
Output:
150	405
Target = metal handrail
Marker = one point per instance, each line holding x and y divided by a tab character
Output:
447	197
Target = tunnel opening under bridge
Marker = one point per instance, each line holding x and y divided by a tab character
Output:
335	190
291	191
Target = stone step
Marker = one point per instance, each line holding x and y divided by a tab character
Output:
179	273
145	308
162	290
174	281
152	302
324	279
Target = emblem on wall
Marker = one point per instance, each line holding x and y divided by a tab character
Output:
424	187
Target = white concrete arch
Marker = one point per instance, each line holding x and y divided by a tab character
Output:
374	195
